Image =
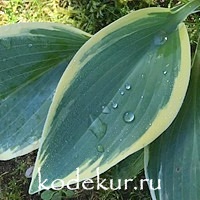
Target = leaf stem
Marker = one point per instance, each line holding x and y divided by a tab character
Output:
182	13
186	10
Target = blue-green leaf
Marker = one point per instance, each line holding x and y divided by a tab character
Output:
174	157
33	57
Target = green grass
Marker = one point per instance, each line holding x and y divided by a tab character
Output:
13	183
14	11
90	16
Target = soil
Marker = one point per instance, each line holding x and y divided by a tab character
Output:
12	178
14	185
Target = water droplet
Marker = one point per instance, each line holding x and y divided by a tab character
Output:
30	45
142	75
122	92
164	72
159	56
114	105
128	86
29	172
98	128
167	65
160	39
100	148
177	169
120	139
129	117
105	110
142	97
149	58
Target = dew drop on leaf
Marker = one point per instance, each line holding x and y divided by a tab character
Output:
159	56
164	72
30	45
100	148
114	105
105	110
128	86
98	128
129	117
160	39
122	92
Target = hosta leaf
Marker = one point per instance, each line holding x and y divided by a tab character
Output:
128	168
33	57
174	158
121	90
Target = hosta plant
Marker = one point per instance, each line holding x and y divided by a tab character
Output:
89	102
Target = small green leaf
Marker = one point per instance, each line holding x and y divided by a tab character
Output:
174	157
57	196
69	193
47	195
33	57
